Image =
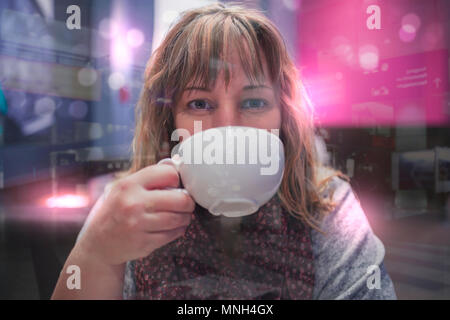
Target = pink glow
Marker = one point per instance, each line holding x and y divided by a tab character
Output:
121	55
135	38
398	75
67	201
108	28
405	90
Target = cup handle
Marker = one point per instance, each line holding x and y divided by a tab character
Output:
174	162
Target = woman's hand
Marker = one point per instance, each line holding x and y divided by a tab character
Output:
137	214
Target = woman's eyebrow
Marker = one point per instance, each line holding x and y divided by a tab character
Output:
197	88
248	87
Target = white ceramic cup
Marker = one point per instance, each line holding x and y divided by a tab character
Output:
230	171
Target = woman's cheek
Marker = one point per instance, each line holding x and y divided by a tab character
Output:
270	120
192	124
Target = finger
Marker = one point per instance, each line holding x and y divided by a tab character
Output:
157	177
175	200
164	221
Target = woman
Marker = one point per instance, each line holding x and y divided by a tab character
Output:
146	238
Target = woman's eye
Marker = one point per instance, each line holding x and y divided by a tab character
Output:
254	104
199	105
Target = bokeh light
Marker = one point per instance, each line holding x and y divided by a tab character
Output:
116	80
78	109
95	131
343	50
292	5
407	33
368	57
45	105
135	38
409	26
124	94
87	77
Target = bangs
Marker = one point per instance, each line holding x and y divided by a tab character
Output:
203	49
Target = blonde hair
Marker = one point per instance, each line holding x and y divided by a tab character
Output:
194	50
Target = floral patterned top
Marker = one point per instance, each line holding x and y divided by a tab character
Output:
268	256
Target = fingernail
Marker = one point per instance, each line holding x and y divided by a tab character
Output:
184	191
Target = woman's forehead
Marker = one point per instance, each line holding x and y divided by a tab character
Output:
238	76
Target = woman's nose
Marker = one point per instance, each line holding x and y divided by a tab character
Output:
226	115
